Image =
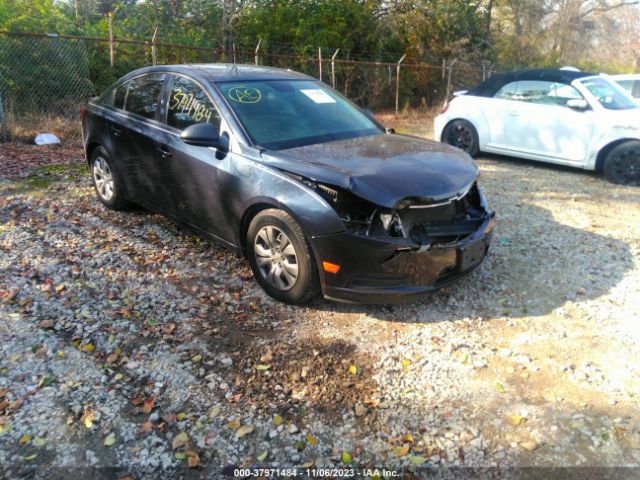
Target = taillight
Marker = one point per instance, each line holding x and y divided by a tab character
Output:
445	107
82	110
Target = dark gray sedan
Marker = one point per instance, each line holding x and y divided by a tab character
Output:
315	193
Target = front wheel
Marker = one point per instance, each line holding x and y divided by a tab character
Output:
622	164
280	257
463	135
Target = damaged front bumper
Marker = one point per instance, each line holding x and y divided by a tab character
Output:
391	269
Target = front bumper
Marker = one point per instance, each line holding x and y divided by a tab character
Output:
387	270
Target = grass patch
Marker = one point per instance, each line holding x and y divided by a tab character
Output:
43	177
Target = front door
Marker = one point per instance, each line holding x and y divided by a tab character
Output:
194	179
539	122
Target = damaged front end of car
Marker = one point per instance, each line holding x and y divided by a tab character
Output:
416	246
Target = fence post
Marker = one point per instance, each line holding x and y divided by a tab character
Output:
398	82
3	130
258	48
449	79
110	20
233	46
333	68
444	68
320	62
153	47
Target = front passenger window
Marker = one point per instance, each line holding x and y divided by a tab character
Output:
189	104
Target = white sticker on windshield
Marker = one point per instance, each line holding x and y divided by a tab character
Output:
318	96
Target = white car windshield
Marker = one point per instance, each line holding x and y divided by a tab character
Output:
609	96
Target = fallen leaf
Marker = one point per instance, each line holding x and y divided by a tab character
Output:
25	438
180	455
46	324
88	417
214	412
87	347
39	441
406	362
181	416
196	358
262	367
110	439
148	405
233	424
179	440
263	456
311	440
517	420
277	420
152	322
308	464
417	459
31	457
407	438
529	445
299	445
193	460
244	430
346	458
267	357
353	370
401	451
500	388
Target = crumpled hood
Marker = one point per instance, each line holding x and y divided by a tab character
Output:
383	169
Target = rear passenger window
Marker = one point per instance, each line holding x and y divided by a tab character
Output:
508	92
142	97
189	104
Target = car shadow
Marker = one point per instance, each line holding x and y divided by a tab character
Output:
535	265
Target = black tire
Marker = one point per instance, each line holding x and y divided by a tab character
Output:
463	135
116	200
622	164
306	284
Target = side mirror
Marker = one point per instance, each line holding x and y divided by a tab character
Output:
578	104
201	135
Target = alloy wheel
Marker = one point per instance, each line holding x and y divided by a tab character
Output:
626	167
103	178
276	257
461	137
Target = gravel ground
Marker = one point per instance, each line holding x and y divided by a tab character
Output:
130	347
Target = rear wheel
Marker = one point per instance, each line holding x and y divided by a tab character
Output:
106	180
463	135
280	257
622	164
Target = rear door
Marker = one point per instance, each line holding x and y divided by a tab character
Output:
135	132
540	123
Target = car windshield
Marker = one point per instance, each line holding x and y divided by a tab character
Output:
609	96
280	114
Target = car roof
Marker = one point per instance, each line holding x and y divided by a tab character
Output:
226	72
626	76
493	84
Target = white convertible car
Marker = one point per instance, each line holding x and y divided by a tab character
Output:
557	116
630	82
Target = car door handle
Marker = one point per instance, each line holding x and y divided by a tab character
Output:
164	152
116	131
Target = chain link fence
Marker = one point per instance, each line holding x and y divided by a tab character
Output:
54	74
